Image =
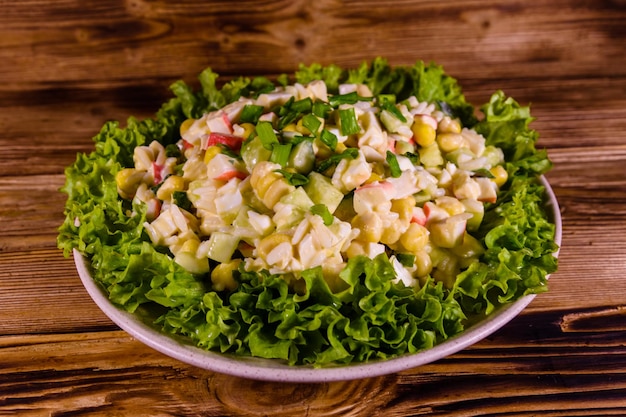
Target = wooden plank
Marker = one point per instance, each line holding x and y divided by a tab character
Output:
94	372
117	40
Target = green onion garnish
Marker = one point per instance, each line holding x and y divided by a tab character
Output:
266	133
347	120
349	153
182	200
293	178
321	109
394	167
406	259
482	172
302	106
348	98
251	113
391	108
280	153
312	123
322	211
413	157
329	139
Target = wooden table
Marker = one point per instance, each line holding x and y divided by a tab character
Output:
66	67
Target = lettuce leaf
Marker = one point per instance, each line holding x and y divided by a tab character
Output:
373	316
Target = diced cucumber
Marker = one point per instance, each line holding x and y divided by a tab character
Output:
446	267
297	204
448	233
298	198
430	156
422	197
470	247
322	191
391	122
221	246
477	210
302	157
345	212
253	152
494	155
191	263
403	147
460	155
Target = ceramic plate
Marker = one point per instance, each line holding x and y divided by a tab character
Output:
271	370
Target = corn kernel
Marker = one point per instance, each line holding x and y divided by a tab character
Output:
291	127
171	184
391	234
449	125
262	183
248	128
370	225
451	205
355	249
277	190
340	147
190	246
500	175
184	126
415	238
302	129
222	275
449	142
210	153
404	207
423	263
373	178
268	243
423	133
127	181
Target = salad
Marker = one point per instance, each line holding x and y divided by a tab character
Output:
328	217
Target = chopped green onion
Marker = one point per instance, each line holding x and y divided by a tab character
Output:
321	109
386	98
251	113
391	108
350	153
329	139
322	211
348	98
287	119
293	178
182	200
413	157
312	123
280	153
266	133
178	169
482	172
291	110
394	167
348	122
302	106
286	108
406	259
229	152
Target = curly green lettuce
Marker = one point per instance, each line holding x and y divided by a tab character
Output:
373	317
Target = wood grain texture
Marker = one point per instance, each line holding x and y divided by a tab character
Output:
68	66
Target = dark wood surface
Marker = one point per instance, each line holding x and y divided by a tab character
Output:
66	67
